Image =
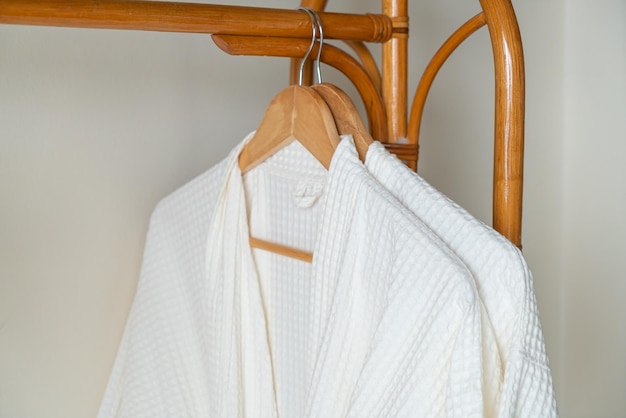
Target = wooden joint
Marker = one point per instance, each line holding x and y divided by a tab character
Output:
400	22
383	27
400	25
405	152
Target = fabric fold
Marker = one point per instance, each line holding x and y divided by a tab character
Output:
505	287
397	323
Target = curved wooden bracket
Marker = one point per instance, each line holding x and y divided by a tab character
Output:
431	71
509	118
368	61
506	42
331	55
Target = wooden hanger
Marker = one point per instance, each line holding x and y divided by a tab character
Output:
295	114
346	116
303	114
344	112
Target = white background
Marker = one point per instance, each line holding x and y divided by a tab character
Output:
96	126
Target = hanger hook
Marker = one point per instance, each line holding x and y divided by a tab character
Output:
313	39
319	51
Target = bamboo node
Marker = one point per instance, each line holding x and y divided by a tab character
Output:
400	26
399	22
383	27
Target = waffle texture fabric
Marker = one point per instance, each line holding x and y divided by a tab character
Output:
386	321
503	280
395	316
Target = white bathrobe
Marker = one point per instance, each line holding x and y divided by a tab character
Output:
386	321
504	283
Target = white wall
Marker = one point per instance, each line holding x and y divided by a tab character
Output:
96	126
594	196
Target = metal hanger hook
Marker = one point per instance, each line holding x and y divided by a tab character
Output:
313	39
319	51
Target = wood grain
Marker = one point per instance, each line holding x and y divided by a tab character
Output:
296	113
509	118
281	249
395	59
347	118
191	17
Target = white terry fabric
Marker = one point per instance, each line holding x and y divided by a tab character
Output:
384	323
195	320
218	329
503	280
397	317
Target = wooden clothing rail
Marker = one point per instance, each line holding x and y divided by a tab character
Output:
385	94
191	18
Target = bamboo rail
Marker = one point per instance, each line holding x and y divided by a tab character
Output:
192	17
